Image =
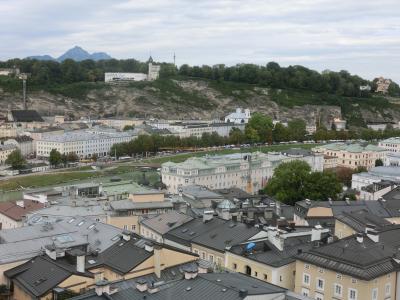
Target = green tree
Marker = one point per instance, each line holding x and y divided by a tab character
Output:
259	128
280	133
322	185
128	127
72	157
94	157
287	184
16	160
236	136
297	129
55	158
293	181
378	162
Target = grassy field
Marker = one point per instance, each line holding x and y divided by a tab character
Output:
265	149
36	180
44	180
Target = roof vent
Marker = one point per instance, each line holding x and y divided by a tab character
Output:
243	293
360	237
141	285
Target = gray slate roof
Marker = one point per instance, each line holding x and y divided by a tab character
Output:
129	205
358	220
166	222
215	234
366	260
224	286
41	274
27	242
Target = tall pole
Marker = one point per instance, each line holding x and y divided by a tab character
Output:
24	92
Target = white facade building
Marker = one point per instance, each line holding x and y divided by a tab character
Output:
84	143
152	74
391	144
240	116
392	159
247	171
197	129
376	174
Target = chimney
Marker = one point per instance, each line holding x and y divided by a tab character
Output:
102	287
316	233
141	285
20	203
51	251
148	247
243	293
373	235
268	214
208	215
190	272
151	288
347	200
308	202
157	260
330	201
360	237
278	208
80	263
126	235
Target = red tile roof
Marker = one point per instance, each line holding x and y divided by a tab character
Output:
15	212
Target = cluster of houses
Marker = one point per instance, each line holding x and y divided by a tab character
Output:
120	240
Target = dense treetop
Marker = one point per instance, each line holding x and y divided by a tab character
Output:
270	75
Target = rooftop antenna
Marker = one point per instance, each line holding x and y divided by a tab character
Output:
23	77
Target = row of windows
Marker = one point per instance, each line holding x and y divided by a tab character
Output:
338	288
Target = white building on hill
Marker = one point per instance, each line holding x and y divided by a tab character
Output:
240	116
152	74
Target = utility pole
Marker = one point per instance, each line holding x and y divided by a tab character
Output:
24	77
174	59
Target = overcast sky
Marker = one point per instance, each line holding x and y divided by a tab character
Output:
361	36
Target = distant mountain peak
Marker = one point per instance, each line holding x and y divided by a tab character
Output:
76	53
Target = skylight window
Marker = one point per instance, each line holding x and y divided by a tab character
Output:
91	226
80	223
70	221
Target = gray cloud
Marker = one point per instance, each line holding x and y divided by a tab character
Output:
362	36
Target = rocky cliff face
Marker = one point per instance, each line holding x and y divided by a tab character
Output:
183	99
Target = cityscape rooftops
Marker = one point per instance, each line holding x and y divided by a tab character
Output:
266	252
223	286
365	259
216	233
16	210
41	274
26	242
358	220
166	222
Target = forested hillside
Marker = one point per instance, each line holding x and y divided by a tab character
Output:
198	92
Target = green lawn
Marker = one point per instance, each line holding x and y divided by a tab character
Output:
36	180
